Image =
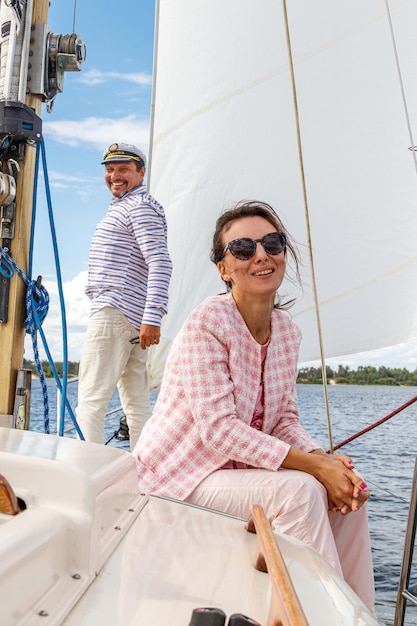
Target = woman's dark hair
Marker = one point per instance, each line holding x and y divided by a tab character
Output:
252	208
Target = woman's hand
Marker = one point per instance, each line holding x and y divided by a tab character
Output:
346	490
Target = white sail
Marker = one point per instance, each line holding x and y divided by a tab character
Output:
224	130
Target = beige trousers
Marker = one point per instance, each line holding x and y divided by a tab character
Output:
109	359
296	505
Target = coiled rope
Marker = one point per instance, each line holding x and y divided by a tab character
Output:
37	305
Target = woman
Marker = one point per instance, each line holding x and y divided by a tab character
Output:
225	432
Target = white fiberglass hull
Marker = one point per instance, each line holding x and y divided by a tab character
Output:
90	549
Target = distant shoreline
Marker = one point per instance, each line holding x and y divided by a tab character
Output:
330	381
342	375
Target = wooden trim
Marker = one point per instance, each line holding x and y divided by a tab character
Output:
8	500
285	608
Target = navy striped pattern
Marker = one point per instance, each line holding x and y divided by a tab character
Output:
129	265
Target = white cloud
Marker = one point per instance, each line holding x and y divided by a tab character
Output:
60	178
99	131
62	181
95	77
399	356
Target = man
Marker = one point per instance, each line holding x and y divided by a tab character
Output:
128	278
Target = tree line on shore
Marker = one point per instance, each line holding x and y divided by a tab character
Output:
72	368
363	375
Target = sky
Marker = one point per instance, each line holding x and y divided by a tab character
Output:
107	102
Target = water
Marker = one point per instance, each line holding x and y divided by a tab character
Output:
385	458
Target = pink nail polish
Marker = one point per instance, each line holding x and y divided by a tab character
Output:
364	486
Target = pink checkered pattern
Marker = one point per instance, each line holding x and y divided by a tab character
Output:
204	410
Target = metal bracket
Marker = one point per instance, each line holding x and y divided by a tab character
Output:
52	55
7	221
4	286
7	194
19	122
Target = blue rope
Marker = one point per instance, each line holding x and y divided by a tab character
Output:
37	305
6	269
61	295
62	387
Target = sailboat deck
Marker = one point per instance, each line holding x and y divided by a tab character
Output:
90	548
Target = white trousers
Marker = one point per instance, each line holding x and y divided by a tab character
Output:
109	359
296	504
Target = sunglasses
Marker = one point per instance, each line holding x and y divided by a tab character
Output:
245	248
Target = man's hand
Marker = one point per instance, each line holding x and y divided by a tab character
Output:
149	335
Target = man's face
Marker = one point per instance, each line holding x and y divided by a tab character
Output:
122	177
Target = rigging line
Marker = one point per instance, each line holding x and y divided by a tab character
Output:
307	218
62	386
37	300
375	424
376	486
153	95
413	147
73	19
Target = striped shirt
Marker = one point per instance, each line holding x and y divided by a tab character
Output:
129	265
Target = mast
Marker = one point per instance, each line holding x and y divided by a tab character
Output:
32	65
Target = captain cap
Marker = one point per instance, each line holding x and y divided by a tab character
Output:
119	152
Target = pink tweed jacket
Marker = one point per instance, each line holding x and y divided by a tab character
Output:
207	398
